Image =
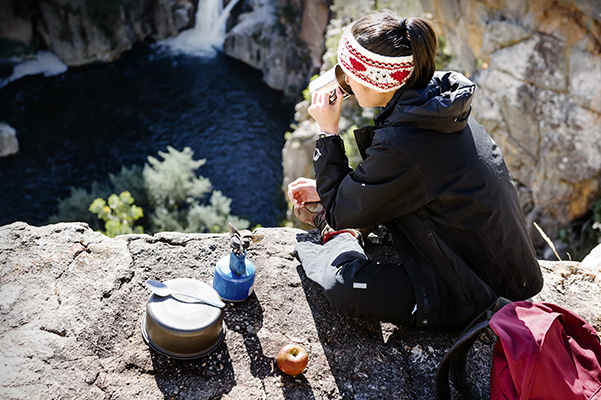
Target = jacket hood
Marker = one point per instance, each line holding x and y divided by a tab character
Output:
443	106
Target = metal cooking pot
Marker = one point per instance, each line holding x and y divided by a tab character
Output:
182	329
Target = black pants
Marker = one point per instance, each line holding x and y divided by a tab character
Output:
356	286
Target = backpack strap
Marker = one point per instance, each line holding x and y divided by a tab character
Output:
456	357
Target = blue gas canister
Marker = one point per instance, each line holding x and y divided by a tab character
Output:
234	277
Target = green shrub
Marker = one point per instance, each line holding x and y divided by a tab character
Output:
119	214
75	207
173	196
132	180
443	54
176	193
172	183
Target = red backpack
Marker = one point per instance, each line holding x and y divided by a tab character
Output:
543	352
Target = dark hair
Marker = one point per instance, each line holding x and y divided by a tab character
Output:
386	34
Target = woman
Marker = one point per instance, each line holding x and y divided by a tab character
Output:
430	173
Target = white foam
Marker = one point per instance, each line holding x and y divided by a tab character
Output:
45	63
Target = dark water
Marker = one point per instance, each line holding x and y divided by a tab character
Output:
75	128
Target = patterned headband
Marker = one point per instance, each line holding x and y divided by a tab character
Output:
381	73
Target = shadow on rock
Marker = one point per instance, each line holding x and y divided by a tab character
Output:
246	318
378	360
297	388
207	377
352	347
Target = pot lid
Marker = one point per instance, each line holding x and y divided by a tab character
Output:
180	313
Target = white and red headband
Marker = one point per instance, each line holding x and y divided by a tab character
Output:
381	73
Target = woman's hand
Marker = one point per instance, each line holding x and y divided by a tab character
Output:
325	114
303	190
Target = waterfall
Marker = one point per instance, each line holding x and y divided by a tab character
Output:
208	33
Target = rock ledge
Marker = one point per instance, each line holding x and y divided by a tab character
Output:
72	302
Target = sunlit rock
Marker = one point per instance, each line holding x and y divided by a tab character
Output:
9	144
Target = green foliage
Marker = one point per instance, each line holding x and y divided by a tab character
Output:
119	214
214	216
307	92
332	39
353	117
132	180
583	234
350	146
75	207
443	54
172	182
175	194
168	189
104	13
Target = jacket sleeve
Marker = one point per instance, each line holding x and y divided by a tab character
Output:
384	186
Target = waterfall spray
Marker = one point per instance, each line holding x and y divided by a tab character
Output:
208	34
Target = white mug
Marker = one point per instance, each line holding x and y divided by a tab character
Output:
329	80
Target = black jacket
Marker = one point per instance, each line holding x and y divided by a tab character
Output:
432	174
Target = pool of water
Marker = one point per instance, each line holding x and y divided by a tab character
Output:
77	127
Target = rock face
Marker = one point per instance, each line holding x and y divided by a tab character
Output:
283	39
257	41
86	31
537	65
72	302
9	144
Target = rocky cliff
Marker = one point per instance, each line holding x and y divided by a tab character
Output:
72	303
283	39
86	31
537	65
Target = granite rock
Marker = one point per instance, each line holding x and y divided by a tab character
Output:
72	302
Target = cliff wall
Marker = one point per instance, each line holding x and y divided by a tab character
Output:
537	66
282	38
81	32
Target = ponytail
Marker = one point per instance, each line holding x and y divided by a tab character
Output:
423	44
